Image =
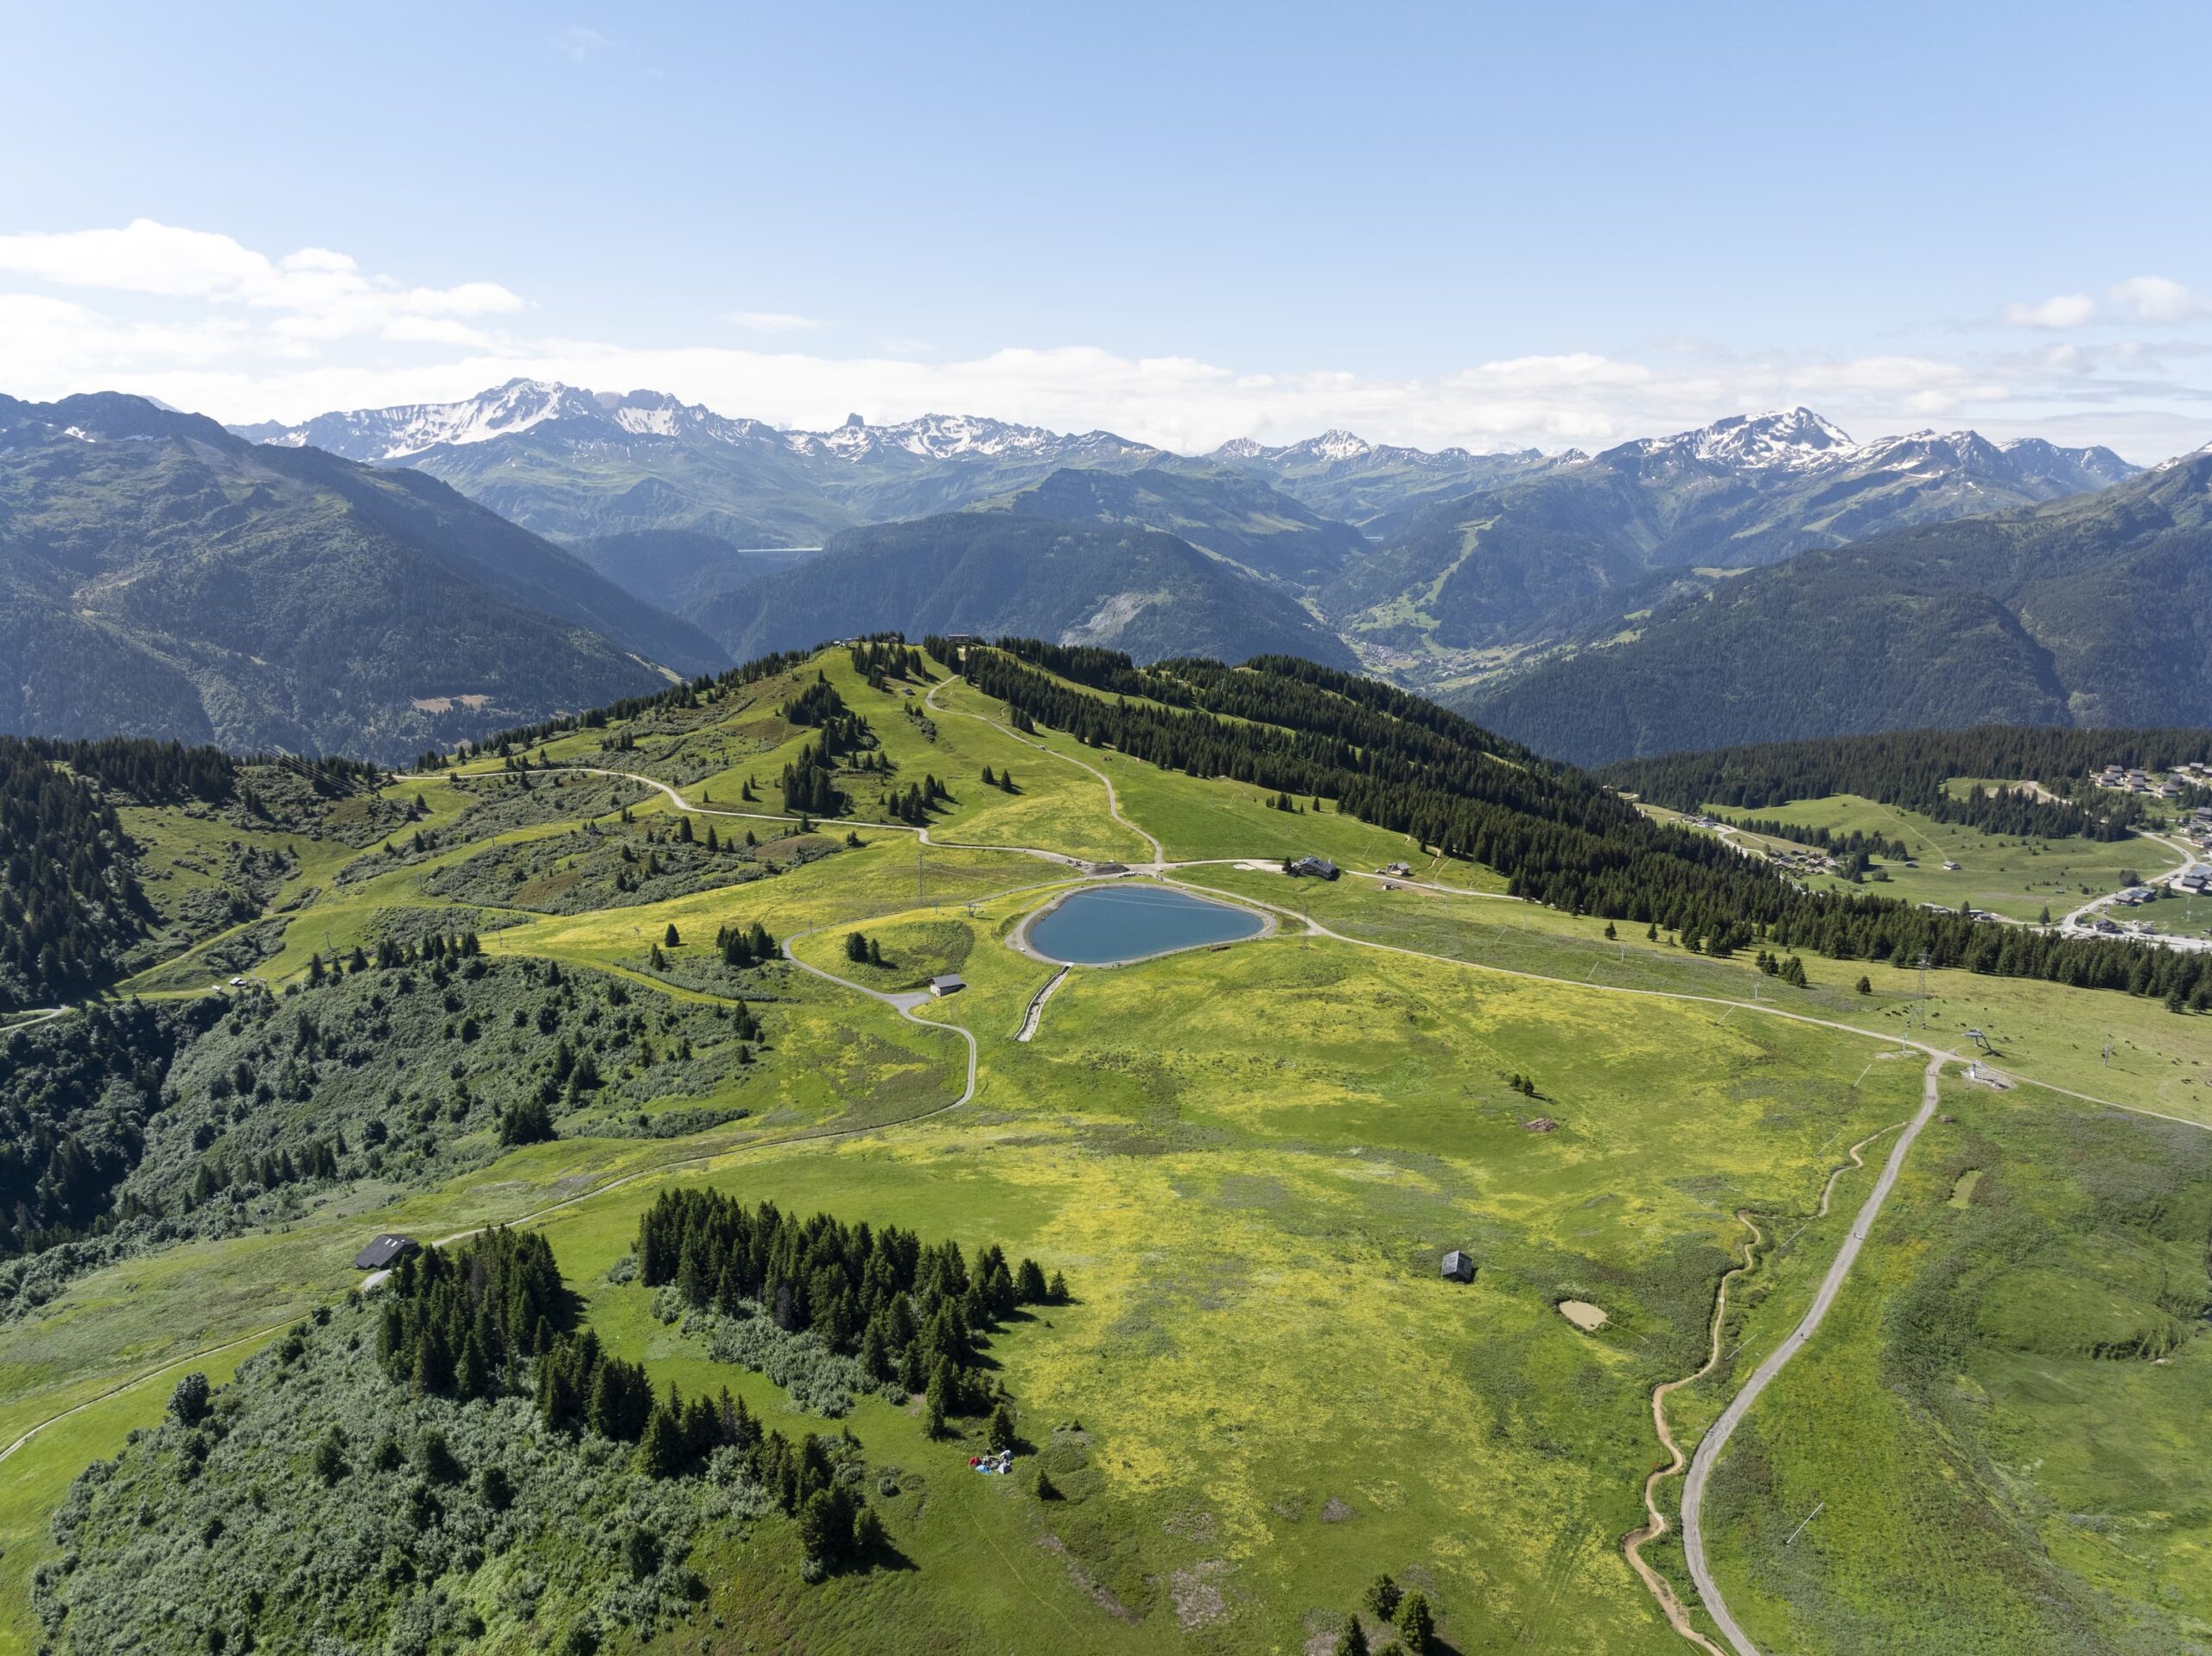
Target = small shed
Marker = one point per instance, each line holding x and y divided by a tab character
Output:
1458	1267
386	1250
948	983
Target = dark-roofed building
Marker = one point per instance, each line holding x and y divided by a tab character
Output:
1319	867
948	983
386	1250
1459	1266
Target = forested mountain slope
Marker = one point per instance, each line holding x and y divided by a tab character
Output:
1218	509
1137	589
2091	611
161	576
1522	562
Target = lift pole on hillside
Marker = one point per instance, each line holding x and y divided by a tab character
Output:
1807	1519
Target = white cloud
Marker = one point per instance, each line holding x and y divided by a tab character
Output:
772	321
2158	299
2062	310
434	330
205	323
315	294
577	43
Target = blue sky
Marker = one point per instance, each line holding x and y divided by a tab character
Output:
1477	225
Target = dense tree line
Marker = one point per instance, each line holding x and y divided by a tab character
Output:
76	1097
810	785
152	772
692	692
494	1319
1911	769
70	903
910	1312
888	657
1559	839
1101	669
331	774
1856	845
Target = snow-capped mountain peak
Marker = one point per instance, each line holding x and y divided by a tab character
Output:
1335	445
1790	437
402	433
516	406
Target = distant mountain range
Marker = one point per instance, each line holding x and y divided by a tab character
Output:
1081	558
1552	595
2095	610
577	465
1527	562
161	576
1377	488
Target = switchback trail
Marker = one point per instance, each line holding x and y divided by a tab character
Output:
1716	1439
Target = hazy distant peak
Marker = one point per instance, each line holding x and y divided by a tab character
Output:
948	437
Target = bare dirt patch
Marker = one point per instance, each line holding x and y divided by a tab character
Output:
1585	1316
1335	1510
1197	1591
1192	1527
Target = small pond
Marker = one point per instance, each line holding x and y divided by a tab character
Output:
1101	924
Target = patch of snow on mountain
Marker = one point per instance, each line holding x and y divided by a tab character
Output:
1794	438
1333	445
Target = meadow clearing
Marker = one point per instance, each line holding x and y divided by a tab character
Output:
1249	1161
2014	875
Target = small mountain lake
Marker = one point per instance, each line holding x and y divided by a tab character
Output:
1101	925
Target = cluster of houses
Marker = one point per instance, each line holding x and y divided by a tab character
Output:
2121	779
1801	862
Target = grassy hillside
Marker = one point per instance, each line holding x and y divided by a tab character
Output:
2002	1426
1246	1163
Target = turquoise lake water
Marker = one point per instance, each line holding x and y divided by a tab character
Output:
1104	924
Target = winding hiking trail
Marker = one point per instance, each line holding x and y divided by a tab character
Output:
1700	1463
1716	1439
1655	1524
1113	799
